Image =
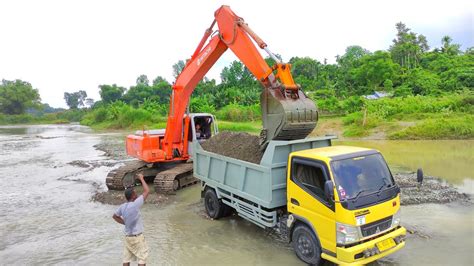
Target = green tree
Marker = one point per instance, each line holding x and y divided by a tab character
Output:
236	74
110	93
306	66
456	71
271	62
16	96
351	56
159	92
388	85
408	47
178	67
423	82
448	47
75	99
89	102
158	80
344	77
375	69
143	79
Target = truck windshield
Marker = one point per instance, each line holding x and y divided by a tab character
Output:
359	176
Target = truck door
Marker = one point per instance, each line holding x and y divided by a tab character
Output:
306	199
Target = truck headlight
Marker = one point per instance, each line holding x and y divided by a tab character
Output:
346	234
396	219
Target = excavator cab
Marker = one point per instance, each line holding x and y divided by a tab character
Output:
202	127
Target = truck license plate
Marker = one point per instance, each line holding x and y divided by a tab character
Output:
385	244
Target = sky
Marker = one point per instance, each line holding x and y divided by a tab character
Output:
65	46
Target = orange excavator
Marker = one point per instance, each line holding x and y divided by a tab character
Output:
287	113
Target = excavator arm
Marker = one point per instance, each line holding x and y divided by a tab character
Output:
286	111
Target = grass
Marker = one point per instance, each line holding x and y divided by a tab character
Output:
415	117
253	127
27	119
458	127
250	127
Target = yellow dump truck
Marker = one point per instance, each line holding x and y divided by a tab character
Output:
337	203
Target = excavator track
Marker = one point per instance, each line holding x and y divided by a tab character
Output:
115	179
124	176
174	178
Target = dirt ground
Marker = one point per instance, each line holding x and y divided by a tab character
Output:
238	145
114	197
328	126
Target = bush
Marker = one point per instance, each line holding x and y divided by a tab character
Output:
119	115
328	105
201	105
388	108
16	119
354	118
402	91
352	104
239	113
337	106
72	115
154	107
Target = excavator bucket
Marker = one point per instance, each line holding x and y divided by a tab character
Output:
286	115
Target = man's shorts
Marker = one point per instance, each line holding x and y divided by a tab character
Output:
135	248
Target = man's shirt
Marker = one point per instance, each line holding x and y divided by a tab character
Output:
130	213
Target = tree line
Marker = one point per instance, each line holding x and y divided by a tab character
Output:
407	67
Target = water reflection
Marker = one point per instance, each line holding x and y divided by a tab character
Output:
452	160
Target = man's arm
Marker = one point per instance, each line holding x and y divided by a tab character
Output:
118	219
146	189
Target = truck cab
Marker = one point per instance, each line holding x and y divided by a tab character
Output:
343	205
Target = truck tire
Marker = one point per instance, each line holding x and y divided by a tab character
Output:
306	245
214	207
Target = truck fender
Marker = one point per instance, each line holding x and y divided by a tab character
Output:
293	220
204	187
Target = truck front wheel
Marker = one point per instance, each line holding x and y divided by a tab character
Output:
214	207
306	245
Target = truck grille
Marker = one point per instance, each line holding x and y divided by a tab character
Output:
376	227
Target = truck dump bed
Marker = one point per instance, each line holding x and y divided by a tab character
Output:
252	189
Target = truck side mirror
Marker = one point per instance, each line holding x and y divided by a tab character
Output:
329	190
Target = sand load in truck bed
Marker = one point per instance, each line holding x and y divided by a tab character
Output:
237	145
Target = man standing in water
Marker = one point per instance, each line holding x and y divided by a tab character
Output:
129	215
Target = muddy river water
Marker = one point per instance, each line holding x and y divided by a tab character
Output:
47	217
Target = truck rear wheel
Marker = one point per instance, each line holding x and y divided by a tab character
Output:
306	245
214	207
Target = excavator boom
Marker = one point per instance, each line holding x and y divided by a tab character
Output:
287	113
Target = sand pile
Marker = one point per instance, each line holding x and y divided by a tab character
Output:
238	145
